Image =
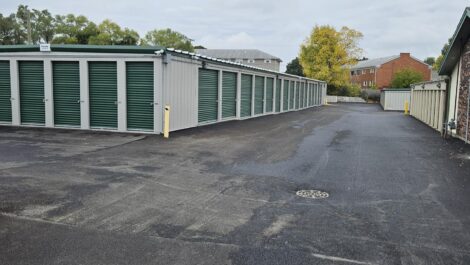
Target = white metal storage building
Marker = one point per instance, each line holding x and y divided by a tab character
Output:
394	98
125	88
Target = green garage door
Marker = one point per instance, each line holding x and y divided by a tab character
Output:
208	95
302	95
229	94
311	94
31	77
102	78
291	95
5	92
66	90
278	95
317	92
297	96
259	94
285	100
269	94
246	93
140	97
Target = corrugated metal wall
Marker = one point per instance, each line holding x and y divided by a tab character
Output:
428	103
394	99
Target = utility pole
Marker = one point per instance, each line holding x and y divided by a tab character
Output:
30	39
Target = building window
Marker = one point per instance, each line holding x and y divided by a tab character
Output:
372	70
352	72
239	60
370	83
267	61
359	72
364	83
251	61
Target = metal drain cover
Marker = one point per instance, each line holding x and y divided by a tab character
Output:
313	194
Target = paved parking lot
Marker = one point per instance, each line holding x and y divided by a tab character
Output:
225	194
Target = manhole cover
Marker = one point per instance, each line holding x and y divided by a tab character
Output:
313	194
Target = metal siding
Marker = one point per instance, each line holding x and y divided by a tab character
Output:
208	95
140	95
291	95
102	78
259	94
278	95
269	94
229	94
302	96
246	95
66	91
31	77
395	100
297	96
286	96
5	92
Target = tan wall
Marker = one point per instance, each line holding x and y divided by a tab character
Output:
428	103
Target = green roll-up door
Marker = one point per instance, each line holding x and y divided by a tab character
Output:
66	90
292	95
302	96
278	95
269	94
259	94
229	94
102	78
246	94
297	96
31	77
317	90
208	95
285	103
311	94
5	92
140	95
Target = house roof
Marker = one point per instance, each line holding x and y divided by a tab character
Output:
374	62
237	54
84	48
460	37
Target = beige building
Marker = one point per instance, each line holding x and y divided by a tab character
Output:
251	57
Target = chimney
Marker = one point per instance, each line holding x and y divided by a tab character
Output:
404	54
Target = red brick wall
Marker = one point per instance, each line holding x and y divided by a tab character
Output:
386	71
462	109
365	76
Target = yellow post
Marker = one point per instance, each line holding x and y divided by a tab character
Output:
166	121
407	108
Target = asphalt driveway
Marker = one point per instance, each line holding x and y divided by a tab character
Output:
225	194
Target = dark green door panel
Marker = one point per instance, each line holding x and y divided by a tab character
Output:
278	95
102	78
208	95
229	94
259	94
302	95
5	92
140	96
66	91
246	94
31	77
269	94
285	100
310	102
292	95
297	96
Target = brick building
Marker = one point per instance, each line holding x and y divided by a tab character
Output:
379	72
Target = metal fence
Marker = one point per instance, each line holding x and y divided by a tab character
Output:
428	103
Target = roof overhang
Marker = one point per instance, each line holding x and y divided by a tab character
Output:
84	48
459	39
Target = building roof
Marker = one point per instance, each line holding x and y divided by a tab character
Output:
84	48
237	54
460	37
374	62
221	61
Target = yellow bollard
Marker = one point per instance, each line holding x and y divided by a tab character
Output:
166	125
407	109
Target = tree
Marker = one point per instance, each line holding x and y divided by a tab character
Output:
168	38
430	61
440	58
405	77
294	68
111	33
200	47
44	25
327	54
10	31
73	29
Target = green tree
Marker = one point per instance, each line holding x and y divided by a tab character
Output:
405	77
328	54
10	31
26	19
111	33
73	29
294	68
44	25
440	58
168	38
430	61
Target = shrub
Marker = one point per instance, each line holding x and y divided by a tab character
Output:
405	77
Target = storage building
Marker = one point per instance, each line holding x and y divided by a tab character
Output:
394	99
126	88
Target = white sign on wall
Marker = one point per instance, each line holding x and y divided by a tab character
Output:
45	47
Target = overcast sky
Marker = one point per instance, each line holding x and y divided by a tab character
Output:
278	27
